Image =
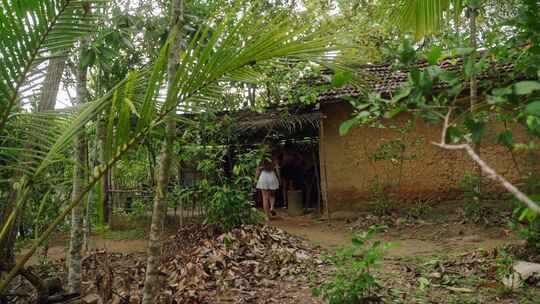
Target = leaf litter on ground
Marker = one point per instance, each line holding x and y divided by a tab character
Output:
250	264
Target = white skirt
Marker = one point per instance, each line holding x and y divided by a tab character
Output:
268	181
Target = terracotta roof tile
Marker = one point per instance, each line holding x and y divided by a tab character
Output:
383	79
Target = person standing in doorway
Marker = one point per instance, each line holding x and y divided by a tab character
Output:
268	183
290	171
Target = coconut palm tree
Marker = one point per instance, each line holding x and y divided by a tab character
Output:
151	283
226	49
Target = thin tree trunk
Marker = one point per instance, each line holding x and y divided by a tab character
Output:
473	33
79	181
7	244
472	12
104	181
151	284
87	225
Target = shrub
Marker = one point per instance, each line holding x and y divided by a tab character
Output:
527	222
353	280
228	203
229	207
382	197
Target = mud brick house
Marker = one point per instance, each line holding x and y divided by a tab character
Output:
350	169
353	166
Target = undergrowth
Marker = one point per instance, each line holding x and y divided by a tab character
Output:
353	280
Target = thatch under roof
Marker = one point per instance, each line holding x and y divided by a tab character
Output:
278	119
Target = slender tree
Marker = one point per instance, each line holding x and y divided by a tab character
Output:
79	181
151	284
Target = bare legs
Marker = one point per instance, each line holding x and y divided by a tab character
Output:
272	200
269	200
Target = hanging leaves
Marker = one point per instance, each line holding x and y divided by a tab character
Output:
533	108
341	78
526	87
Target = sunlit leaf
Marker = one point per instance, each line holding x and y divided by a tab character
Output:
526	87
346	126
506	138
434	55
341	78
533	108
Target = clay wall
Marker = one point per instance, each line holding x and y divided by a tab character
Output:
349	171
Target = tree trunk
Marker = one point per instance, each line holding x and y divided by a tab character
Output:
52	82
472	11
87	225
151	284
104	181
46	102
79	181
7	244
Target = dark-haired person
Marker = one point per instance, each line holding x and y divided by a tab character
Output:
268	183
291	172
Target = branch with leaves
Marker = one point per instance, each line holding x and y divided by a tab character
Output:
486	169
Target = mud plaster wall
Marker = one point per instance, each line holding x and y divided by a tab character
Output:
427	172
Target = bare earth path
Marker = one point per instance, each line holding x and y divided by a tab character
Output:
428	238
431	256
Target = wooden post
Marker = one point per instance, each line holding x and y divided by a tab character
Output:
322	161
317	178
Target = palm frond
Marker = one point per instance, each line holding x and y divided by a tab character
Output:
424	17
31	32
211	56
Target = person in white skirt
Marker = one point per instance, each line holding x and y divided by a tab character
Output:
268	183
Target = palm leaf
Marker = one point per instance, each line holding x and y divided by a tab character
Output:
424	17
31	32
212	56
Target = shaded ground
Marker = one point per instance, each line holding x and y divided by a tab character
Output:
445	255
424	237
131	241
442	256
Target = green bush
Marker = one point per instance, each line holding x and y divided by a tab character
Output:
471	187
382	198
229	207
353	278
527	222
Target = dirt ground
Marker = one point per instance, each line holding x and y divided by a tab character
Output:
440	256
426	237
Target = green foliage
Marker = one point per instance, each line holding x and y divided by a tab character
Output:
341	78
470	186
32	31
527	222
424	17
530	232
420	208
533	108
229	203
353	279
504	265
225	195
383	200
526	87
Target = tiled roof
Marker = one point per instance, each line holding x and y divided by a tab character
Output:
383	79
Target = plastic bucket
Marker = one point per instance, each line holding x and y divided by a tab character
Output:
296	206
